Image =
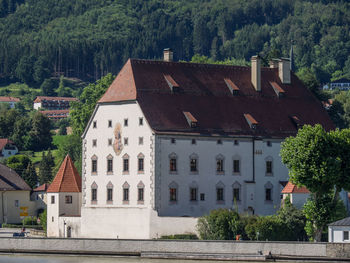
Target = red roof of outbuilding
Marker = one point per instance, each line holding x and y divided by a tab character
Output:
291	188
203	92
67	178
3	142
42	188
9	99
41	98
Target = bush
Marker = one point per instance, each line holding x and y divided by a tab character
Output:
30	220
43	219
39	227
180	236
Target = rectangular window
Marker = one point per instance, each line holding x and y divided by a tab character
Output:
94	166
140	140
126	122
126	194
93	194
140	194
109	124
94	143
268	143
126	141
345	235
109	142
193	165
125	165
173	197
219	194
236	166
193	141
269	167
68	199
268	196
236	142
219	165
173	140
140	164
16	203
141	121
94	125
236	194
193	194
173	165
110	194
202	196
52	199
219	141
110	165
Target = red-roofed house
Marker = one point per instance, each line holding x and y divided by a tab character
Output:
53	103
298	195
170	141
56	115
64	202
11	101
7	148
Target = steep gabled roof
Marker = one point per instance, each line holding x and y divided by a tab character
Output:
67	178
204	93
291	188
11	181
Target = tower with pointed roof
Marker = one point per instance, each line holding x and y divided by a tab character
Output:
64	201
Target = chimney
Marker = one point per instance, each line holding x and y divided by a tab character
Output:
284	70
168	55
256	72
273	63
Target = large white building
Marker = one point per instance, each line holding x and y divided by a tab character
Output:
169	142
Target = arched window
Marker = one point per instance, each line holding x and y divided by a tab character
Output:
125	164
94	165
236	191
94	193
173	192
173	163
109	164
220	193
109	193
193	163
269	166
126	187
268	192
220	164
140	192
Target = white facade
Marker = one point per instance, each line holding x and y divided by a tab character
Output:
339	234
9	150
156	214
37	105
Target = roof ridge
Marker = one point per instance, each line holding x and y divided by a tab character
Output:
64	172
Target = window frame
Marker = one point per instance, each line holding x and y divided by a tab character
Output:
126	164
68	199
53	199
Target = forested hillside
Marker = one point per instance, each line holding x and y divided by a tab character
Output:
89	38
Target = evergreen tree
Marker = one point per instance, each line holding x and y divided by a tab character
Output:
30	176
45	170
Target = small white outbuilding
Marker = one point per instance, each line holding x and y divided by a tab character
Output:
338	231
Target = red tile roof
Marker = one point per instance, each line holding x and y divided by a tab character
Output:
290	188
3	143
41	98
42	188
9	99
67	178
55	113
204	93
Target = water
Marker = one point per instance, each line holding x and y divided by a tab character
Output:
35	258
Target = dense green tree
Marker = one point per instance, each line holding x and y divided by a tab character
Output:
82	110
19	163
41	70
45	170
29	175
40	137
24	70
48	87
72	146
321	162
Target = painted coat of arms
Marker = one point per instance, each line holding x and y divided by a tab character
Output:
117	144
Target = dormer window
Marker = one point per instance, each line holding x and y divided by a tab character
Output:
192	121
232	86
253	124
278	90
297	122
174	87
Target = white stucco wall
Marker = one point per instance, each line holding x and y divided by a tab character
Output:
69	209
37	105
9	212
336	234
53	226
9	152
74	223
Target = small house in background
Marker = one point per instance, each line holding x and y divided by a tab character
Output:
15	202
298	195
64	202
339	231
340	84
39	195
56	115
7	148
53	103
11	101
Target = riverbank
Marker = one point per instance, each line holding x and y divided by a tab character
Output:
179	249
